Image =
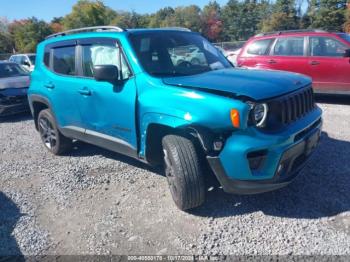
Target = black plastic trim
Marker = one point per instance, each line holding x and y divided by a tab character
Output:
241	187
246	187
101	140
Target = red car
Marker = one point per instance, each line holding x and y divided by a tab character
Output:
322	55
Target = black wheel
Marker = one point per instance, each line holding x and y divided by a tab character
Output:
53	140
183	172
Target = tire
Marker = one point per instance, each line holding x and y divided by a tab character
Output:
183	172
53	140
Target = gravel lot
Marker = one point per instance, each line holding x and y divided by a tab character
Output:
97	202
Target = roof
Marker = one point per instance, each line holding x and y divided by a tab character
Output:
114	29
294	32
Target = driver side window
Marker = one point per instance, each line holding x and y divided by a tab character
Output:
104	54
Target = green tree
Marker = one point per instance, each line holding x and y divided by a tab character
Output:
188	16
6	43
243	19
162	18
284	17
4	25
327	14
28	33
88	13
347	22
130	20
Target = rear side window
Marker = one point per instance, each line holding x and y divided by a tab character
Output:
259	47
289	46
47	56
64	60
326	46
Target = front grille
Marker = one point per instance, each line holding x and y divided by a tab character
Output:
296	105
289	108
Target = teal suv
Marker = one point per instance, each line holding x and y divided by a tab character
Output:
167	96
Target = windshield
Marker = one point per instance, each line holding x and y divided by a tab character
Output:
169	53
345	36
11	70
32	59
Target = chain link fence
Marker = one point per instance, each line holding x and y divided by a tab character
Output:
230	45
5	56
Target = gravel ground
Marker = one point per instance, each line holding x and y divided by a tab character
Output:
97	202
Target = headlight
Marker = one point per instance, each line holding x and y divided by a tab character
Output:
258	113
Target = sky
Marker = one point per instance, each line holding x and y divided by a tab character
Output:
47	9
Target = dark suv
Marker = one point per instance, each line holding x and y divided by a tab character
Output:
319	54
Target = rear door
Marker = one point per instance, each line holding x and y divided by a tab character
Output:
60	85
327	65
289	54
255	54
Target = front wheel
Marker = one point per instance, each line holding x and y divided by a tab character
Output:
183	172
53	140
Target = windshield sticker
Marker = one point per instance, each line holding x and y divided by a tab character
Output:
145	44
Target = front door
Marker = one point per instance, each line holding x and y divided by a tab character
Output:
108	110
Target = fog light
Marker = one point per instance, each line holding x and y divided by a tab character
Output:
218	144
256	159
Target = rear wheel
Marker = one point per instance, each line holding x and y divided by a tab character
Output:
183	172
53	140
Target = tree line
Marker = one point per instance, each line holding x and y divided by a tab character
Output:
236	20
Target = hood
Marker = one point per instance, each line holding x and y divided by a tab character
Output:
14	82
256	84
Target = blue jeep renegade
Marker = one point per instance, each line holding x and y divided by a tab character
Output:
167	96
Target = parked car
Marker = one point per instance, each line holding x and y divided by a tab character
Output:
319	54
14	83
25	60
187	54
119	89
231	55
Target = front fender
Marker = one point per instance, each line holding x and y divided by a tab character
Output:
158	118
180	107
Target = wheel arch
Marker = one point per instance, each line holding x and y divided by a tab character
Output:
151	144
38	103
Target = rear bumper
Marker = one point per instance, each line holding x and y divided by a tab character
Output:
282	161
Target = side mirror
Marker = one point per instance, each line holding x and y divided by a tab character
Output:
107	73
347	53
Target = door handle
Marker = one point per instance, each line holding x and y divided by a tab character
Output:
49	85
85	92
271	61
314	63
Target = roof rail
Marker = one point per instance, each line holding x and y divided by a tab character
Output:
87	29
175	28
292	31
